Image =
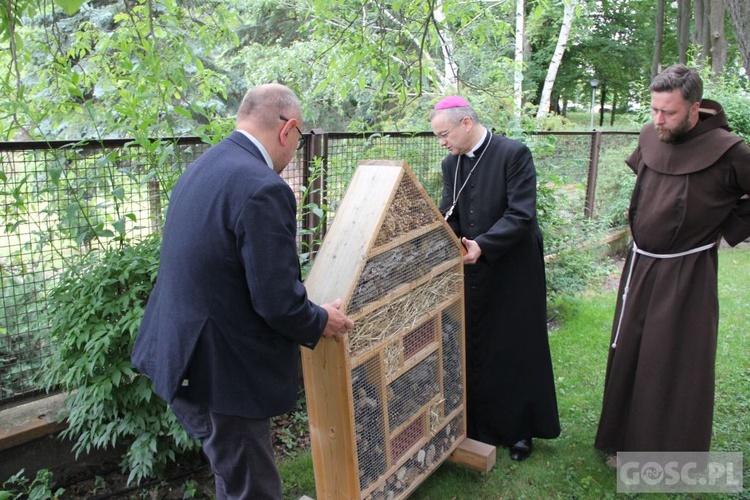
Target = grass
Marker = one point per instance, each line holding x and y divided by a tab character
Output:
569	466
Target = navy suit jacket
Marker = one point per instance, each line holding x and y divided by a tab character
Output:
228	311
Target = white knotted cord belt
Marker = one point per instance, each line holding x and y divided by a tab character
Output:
637	251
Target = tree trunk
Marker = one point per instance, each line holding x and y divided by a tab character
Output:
602	102
518	69
658	39
562	41
683	29
739	17
701	30
614	109
718	38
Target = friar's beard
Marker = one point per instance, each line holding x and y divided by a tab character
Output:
673	134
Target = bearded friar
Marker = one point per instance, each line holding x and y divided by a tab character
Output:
692	187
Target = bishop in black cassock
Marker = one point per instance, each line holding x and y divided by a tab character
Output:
489	200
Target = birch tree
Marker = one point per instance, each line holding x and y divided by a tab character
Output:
450	68
518	65
562	41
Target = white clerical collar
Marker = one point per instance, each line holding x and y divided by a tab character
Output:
470	154
263	151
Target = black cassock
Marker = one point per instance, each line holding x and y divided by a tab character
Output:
510	384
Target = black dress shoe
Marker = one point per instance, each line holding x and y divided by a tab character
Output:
521	450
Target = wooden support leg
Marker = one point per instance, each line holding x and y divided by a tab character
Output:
474	455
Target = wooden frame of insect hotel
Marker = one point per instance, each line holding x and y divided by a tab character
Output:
387	405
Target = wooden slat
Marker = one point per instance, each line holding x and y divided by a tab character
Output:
415	360
30	421
331	420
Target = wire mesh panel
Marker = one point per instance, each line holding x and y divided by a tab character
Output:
451	321
62	200
370	421
614	179
420	151
408	394
562	156
398	266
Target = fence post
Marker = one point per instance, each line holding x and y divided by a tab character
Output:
596	145
316	146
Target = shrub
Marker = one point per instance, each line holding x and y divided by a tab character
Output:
732	92
97	309
19	487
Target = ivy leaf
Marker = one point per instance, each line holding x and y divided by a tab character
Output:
70	6
119	193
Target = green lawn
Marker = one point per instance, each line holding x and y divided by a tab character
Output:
569	467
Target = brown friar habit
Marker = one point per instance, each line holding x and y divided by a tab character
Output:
659	383
510	384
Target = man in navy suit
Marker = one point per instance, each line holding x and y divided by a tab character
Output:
221	333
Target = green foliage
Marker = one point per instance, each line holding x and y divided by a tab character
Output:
291	430
733	93
96	312
135	70
395	52
311	209
169	68
17	487
70	6
190	489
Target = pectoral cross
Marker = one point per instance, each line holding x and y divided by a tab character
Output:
449	212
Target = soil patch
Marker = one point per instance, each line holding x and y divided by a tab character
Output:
190	478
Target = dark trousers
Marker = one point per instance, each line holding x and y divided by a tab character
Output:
239	449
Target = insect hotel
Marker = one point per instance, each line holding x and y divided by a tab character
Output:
386	406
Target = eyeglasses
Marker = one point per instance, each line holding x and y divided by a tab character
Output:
301	140
444	135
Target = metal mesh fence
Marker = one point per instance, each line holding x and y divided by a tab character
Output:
63	199
614	180
564	158
420	151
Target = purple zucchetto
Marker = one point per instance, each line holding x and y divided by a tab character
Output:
454	101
